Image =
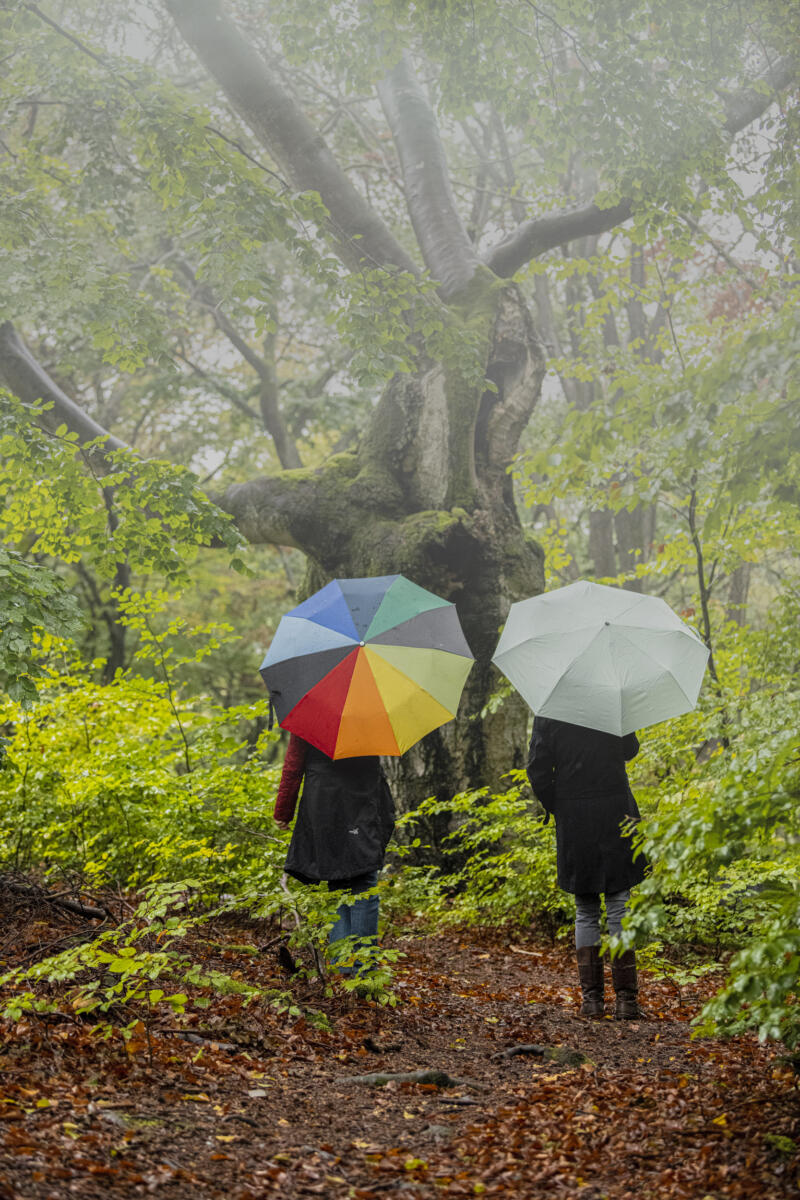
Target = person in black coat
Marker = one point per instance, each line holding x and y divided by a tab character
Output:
344	821
578	775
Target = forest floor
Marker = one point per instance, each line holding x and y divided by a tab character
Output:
242	1103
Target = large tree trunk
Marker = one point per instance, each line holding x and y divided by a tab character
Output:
427	494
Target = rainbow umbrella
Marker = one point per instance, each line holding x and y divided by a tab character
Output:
367	666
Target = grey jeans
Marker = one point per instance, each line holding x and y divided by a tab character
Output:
587	916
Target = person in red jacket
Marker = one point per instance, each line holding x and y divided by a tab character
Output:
345	818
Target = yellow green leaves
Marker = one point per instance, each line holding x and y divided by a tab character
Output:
157	518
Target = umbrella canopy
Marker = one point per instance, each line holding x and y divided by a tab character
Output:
367	666
601	657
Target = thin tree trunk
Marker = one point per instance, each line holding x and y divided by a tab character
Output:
601	543
738	590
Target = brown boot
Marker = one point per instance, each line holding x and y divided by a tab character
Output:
626	985
590	973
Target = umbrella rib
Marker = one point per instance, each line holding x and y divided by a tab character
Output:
663	665
571	664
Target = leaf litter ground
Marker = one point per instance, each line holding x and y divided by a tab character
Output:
243	1103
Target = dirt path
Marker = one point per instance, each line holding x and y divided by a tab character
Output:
648	1114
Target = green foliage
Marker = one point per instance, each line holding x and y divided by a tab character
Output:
137	216
707	439
33	603
149	514
722	837
506	872
122	966
140	787
591	79
130	782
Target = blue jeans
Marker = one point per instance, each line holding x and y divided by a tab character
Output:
587	916
359	919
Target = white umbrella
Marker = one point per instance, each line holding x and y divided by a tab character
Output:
602	657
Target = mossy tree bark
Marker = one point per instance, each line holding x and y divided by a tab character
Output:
427	493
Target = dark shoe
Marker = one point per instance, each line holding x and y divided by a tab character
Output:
626	985
590	974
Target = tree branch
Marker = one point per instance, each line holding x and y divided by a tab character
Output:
28	380
283	508
222	388
271	416
541	234
204	296
446	248
747	105
276	119
637	321
547	325
719	249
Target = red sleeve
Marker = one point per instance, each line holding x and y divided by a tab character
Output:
291	777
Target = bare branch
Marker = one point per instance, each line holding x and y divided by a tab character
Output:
276	119
719	249
552	342
28	380
443	240
229	393
747	105
517	206
637	321
271	415
541	234
70	37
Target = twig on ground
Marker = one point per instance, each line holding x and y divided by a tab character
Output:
439	1079
557	1054
298	924
192	1035
44	950
59	900
241	1117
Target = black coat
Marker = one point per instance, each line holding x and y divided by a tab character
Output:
579	776
344	819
